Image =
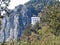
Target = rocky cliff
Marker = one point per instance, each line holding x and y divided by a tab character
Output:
13	26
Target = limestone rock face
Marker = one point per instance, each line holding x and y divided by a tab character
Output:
12	26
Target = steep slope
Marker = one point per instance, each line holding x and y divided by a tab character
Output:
14	25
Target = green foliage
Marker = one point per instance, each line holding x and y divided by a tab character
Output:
32	28
47	38
51	16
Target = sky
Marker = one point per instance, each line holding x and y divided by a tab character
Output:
14	3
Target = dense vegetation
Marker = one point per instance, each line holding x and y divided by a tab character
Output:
51	17
45	33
